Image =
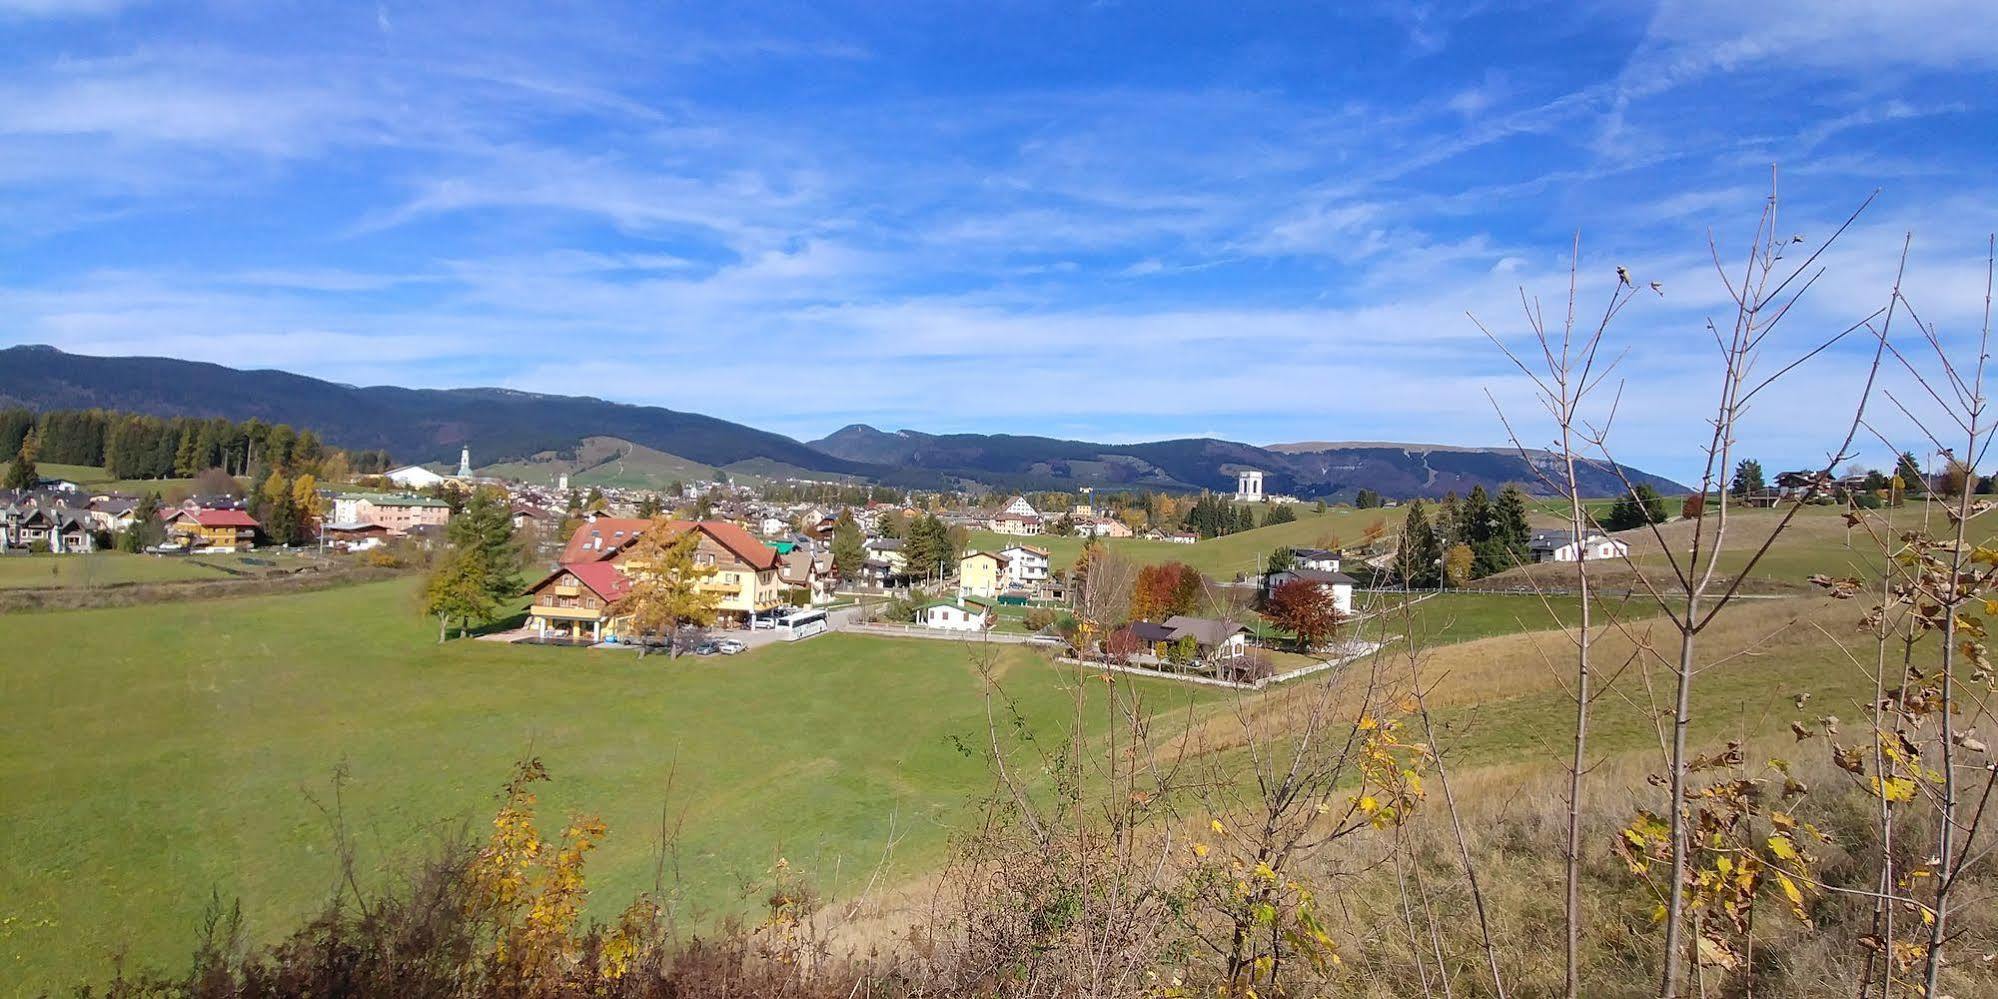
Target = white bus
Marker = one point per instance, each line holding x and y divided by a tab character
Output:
801	624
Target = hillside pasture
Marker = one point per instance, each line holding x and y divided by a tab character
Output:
607	462
1817	540
98	480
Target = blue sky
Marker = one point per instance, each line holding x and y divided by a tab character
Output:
1114	221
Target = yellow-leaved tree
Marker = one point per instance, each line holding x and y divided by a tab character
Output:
666	591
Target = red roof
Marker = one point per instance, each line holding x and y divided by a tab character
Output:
597	540
602	578
224	518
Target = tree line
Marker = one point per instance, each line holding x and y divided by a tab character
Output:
1463	539
139	446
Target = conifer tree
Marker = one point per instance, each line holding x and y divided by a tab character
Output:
1419	556
21	474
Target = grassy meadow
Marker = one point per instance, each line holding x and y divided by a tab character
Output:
161	752
111	568
95	478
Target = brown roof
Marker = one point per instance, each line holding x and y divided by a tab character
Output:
599	539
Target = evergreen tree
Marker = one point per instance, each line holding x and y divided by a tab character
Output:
485	530
1511	531
923	546
1282	514
21	474
1418	559
1474	518
1909	471
1367	499
848	546
145	529
1748	478
1636	509
1449	520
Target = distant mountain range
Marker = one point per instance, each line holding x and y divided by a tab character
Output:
504	426
1315	469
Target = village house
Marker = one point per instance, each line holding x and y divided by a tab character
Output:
1025	525
1336	584
397	513
575	599
1102	527
354	537
1026	565
745	577
1315	558
1561	546
529	515
212	530
811	572
964	614
981	574
112	514
1215	640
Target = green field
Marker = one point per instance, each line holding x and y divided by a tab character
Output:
98	569
156	753
606	461
1450	618
109	568
1223	557
100	480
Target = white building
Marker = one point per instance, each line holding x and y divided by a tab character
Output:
1336	584
415	477
1314	558
465	462
1561	546
956	615
1249	485
1025	565
1019	507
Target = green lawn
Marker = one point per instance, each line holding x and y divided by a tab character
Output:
98	569
110	567
156	753
1223	557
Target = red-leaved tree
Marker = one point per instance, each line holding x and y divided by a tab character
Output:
1304	609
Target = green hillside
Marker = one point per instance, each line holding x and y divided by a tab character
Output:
605	461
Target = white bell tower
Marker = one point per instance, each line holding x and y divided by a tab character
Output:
465	462
1249	485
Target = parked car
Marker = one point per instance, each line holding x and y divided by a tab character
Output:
705	649
729	647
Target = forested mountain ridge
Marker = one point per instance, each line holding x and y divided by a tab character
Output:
1330	470
424	425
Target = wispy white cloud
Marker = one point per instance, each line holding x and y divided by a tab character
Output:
1263	251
